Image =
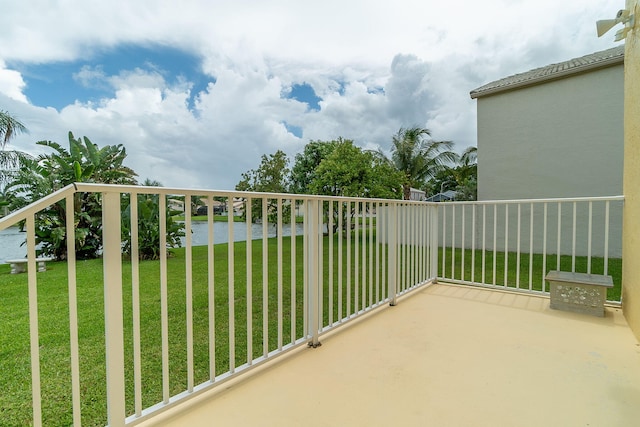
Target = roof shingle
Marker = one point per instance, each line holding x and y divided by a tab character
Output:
592	61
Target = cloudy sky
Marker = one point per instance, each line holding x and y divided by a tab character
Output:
198	90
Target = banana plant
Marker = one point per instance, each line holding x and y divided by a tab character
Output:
84	161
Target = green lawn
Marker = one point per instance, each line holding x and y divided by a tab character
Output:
366	284
15	401
537	271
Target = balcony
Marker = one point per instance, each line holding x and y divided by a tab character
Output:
470	328
446	355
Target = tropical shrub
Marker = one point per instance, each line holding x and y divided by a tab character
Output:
83	162
149	227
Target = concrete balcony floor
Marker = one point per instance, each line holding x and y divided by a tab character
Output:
446	355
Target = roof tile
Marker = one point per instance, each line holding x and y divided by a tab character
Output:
553	71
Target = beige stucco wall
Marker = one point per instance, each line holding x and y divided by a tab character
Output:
631	239
562	138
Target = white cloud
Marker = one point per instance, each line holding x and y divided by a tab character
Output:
357	114
376	65
137	78
12	83
410	90
89	76
330	32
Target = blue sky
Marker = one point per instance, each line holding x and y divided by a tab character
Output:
58	84
198	90
304	93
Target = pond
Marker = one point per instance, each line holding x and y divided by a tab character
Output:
12	238
221	232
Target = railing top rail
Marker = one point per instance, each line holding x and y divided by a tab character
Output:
58	195
22	214
551	200
139	189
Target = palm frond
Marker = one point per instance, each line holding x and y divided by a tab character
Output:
419	157
9	127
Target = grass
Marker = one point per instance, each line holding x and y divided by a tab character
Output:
365	285
15	401
523	279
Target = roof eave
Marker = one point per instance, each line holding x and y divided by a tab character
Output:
609	62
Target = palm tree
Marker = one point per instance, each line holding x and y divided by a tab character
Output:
469	156
466	175
10	160
419	157
467	166
9	126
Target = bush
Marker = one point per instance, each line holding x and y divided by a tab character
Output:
149	227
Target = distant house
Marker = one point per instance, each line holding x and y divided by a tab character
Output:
555	131
218	209
447	196
415	194
175	204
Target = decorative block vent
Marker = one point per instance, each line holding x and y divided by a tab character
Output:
579	292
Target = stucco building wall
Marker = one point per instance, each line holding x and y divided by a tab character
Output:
557	132
561	138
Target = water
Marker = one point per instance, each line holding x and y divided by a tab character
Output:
200	234
10	241
12	238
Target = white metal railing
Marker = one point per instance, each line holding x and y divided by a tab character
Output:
221	309
514	243
181	325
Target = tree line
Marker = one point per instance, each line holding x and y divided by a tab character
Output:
341	168
336	168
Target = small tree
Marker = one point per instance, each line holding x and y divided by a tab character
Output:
350	171
271	176
306	163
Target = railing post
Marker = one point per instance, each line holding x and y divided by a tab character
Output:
113	322
313	266
434	243
36	388
392	227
